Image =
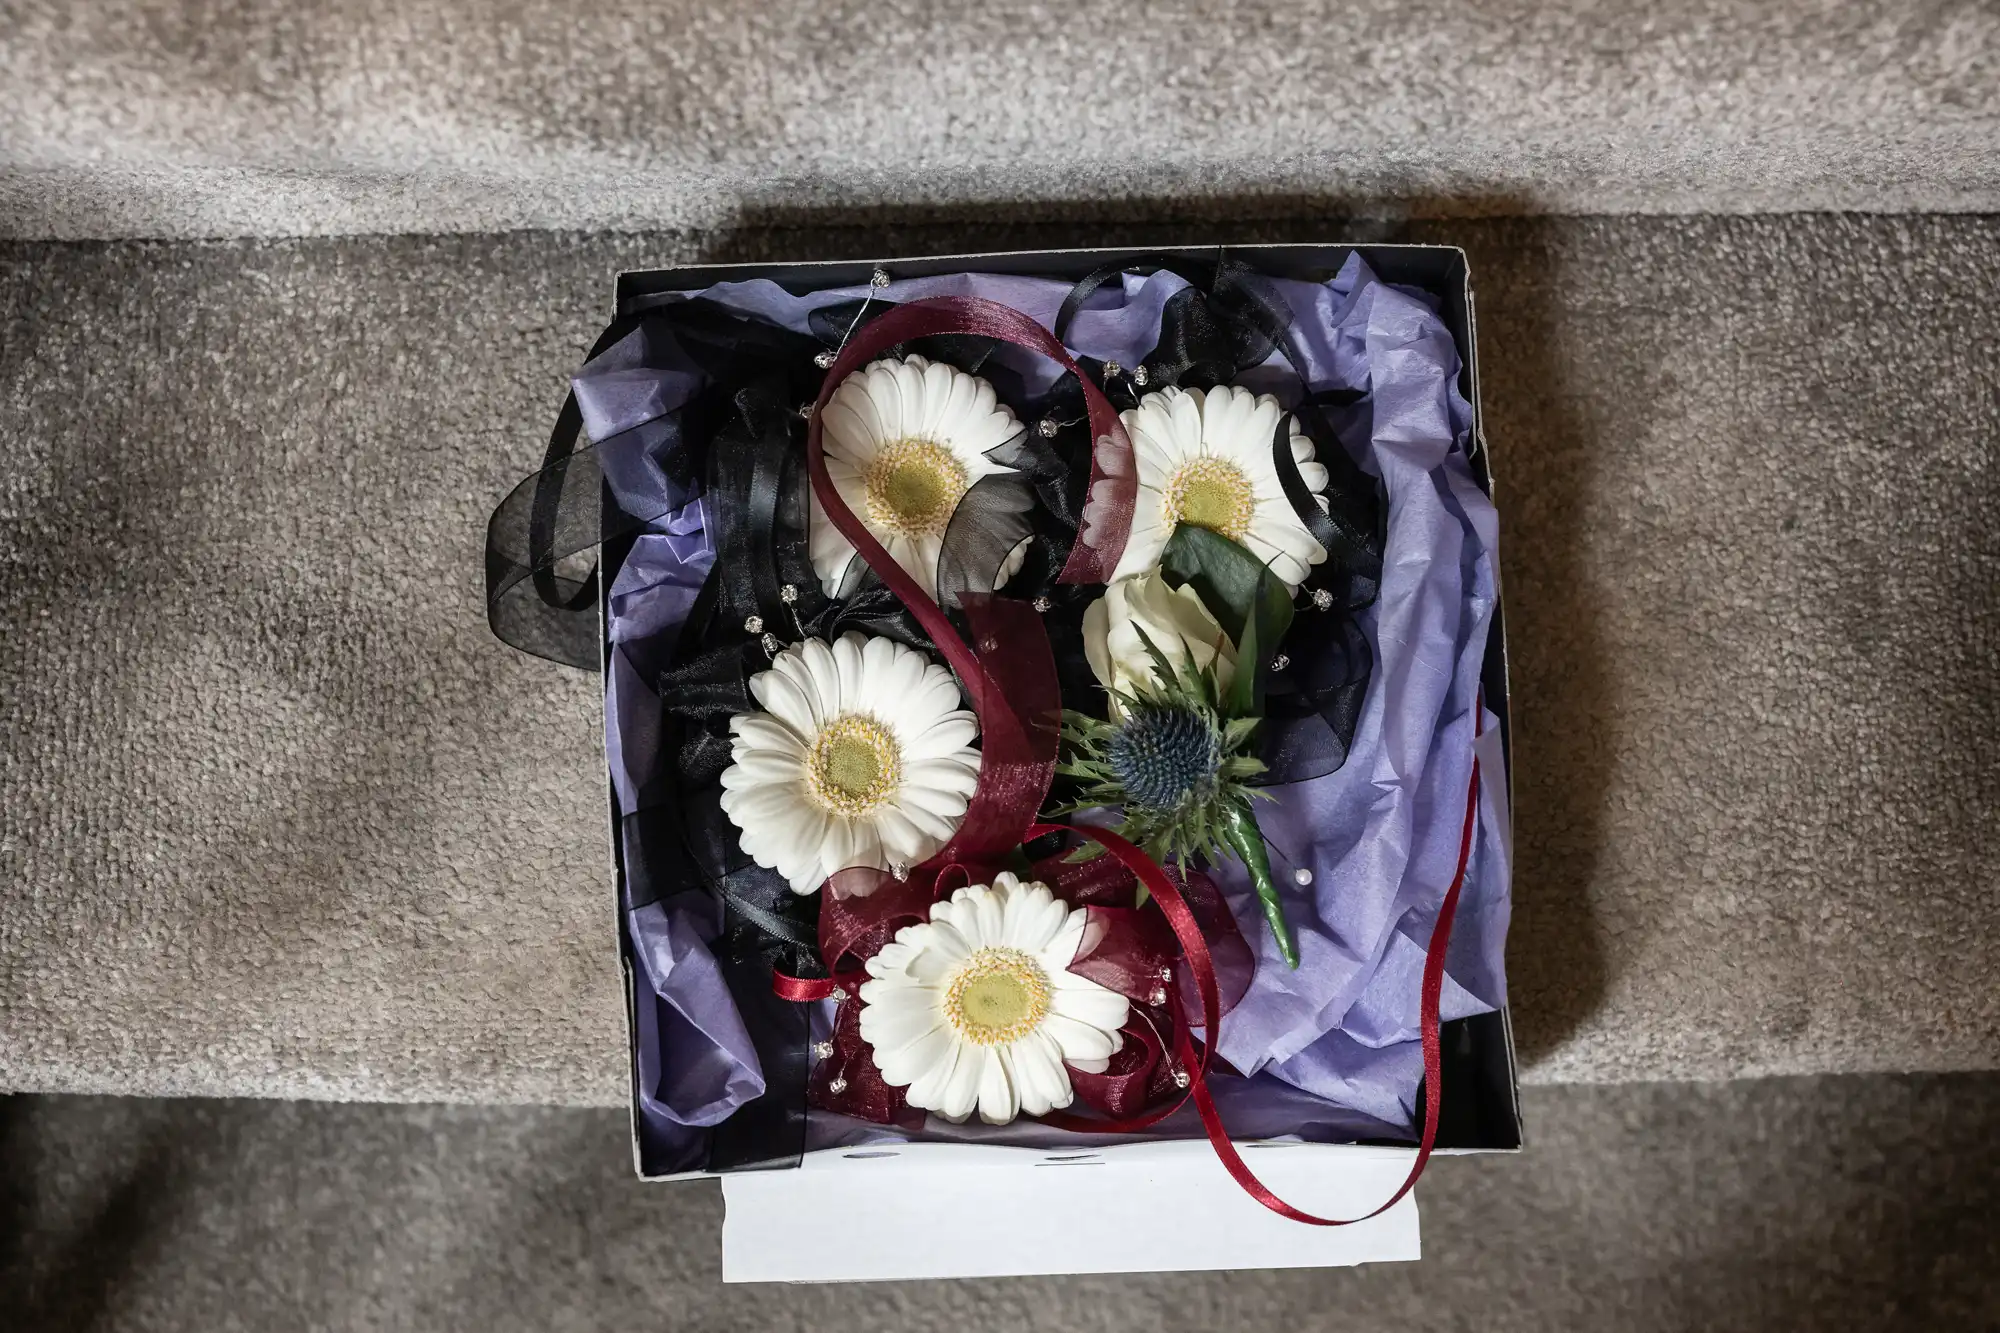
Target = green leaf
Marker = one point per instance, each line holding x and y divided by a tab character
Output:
1246	687
1245	597
1168	676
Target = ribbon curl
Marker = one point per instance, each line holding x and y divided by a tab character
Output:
1007	672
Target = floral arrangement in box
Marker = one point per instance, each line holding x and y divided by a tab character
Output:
1035	707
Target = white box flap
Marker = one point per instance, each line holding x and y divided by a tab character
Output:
957	1210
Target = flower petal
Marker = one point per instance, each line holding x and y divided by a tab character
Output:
1096	627
1185	410
946	949
1038	928
999	1104
894	1017
1261	422
949	735
927	1088
1095	1006
890	959
847	666
989	911
865	844
948	774
939	380
820	677
1078	1040
1224	414
1146	543
837	849
901	839
848	434
937	815
759	806
1029	921
761	731
1040	1081
782	698
961	1089
1060	951
905	1065
878	657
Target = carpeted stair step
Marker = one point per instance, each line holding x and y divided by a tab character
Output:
165	118
1815	1203
282	820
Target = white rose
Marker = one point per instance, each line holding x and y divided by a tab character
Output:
1173	618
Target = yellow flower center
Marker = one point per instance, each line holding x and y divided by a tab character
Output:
997	996
1211	493
855	765
913	487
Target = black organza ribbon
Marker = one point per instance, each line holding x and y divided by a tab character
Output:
560	512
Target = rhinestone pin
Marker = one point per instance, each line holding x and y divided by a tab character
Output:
824	360
1159	996
1112	370
1181	1079
900	869
788	594
1141	376
1280	662
1322	599
1043	605
754	624
822	1050
806	411
1047	428
879	278
770	644
839	1085
1302	876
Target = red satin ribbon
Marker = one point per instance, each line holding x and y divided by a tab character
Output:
800	989
1433	992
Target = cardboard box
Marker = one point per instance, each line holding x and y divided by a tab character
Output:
853	1214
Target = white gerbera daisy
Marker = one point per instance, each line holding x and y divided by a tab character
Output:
977	1008
861	757
905	440
1205	459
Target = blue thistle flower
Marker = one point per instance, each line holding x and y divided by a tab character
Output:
1163	755
1174	760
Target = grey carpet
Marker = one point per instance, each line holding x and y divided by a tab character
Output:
1798	1204
264	117
281	820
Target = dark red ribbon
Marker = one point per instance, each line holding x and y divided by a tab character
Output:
1433	993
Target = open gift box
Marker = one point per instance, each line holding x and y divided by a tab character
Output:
1333	1084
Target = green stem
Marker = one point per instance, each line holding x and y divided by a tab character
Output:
1240	831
